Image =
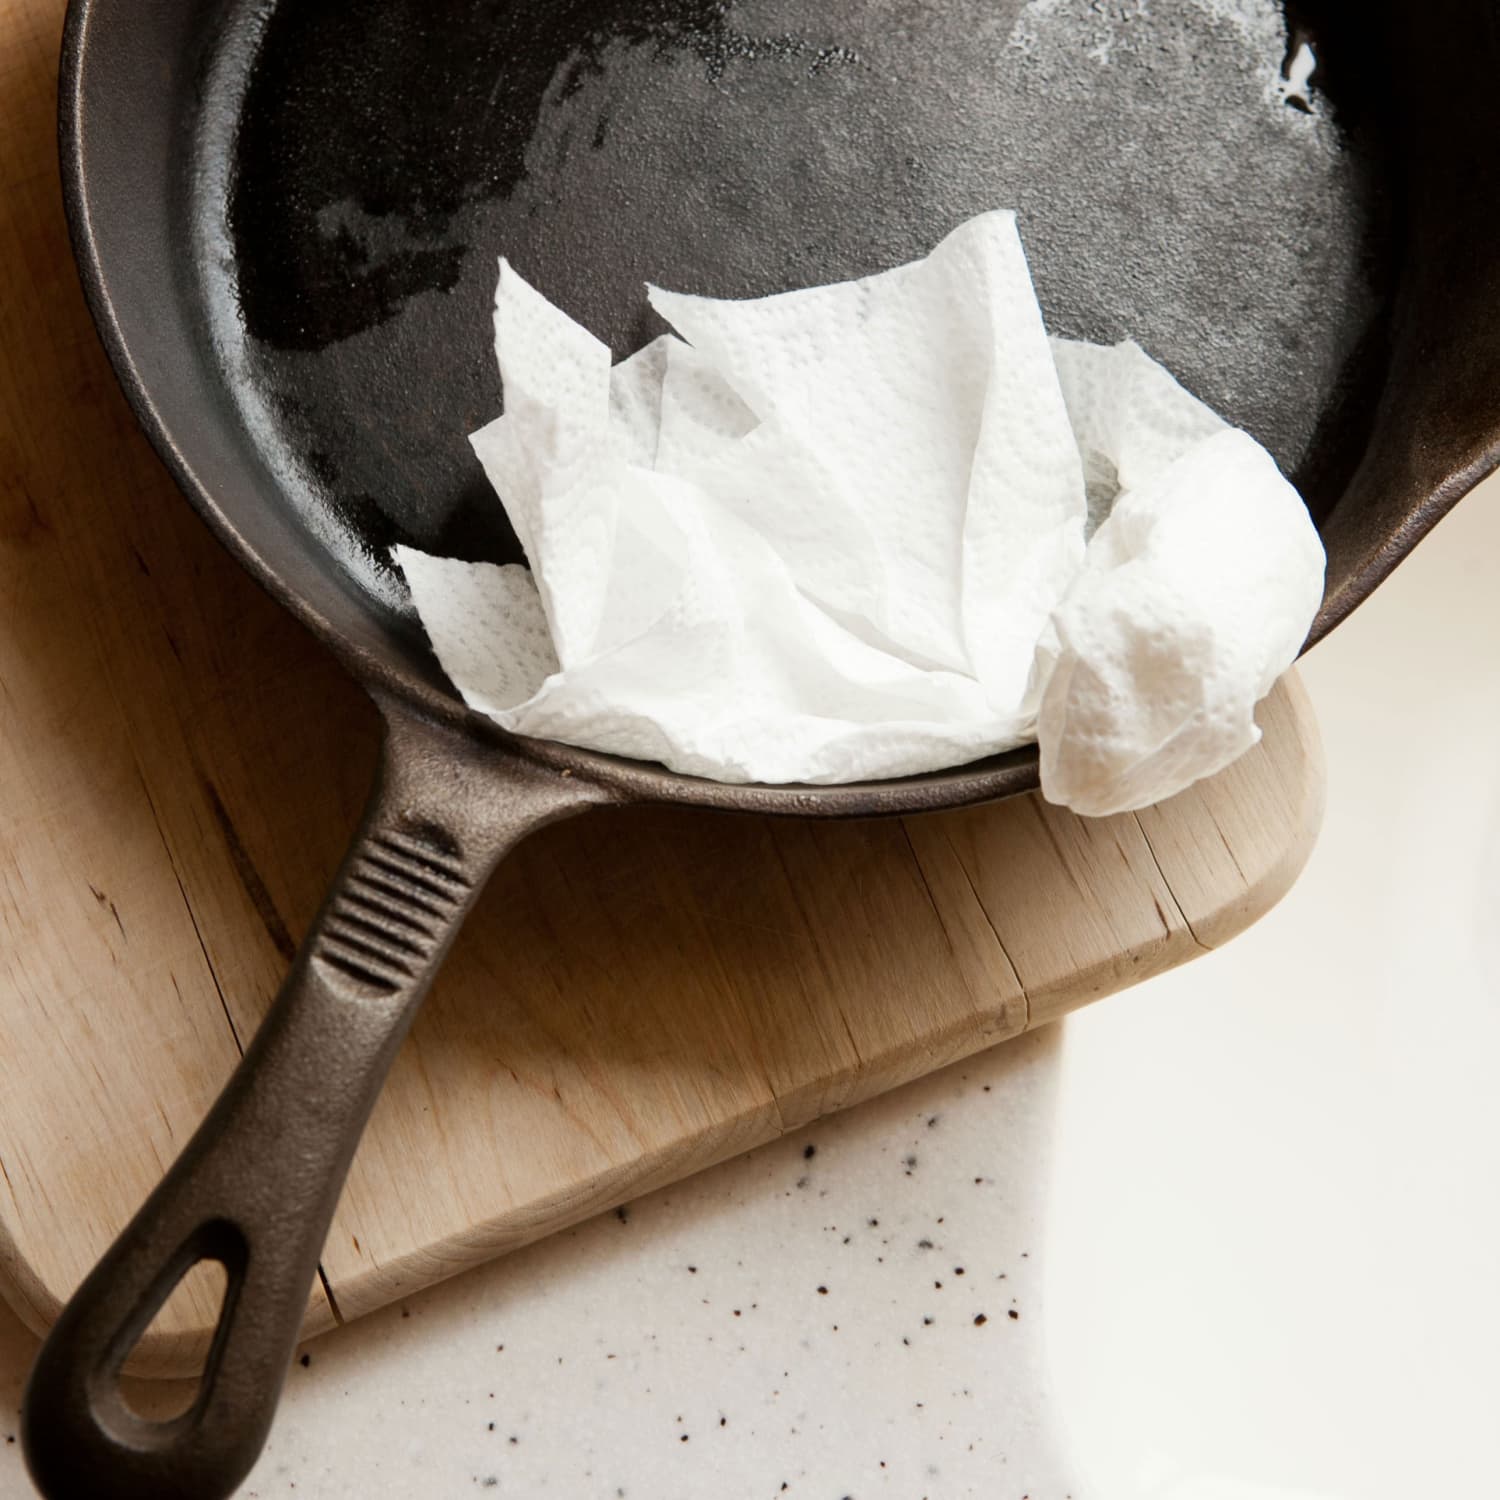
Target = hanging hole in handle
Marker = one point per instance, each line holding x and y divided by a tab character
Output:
206	1272
163	1373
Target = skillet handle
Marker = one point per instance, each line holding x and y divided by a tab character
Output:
256	1186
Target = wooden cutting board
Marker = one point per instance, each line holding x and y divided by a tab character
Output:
640	993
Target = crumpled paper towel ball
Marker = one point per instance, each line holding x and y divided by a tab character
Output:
872	529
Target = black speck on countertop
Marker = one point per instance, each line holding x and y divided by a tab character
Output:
924	1244
809	1151
980	1319
305	1361
1012	1313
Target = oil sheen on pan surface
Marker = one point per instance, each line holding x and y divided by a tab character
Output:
362	168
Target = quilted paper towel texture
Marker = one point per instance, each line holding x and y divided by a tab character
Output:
872	529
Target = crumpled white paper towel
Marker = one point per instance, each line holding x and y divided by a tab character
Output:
872	529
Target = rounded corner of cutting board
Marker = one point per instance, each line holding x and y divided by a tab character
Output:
1266	811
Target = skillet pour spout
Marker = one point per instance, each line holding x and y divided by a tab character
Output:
285	219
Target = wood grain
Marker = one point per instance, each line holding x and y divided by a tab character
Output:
639	994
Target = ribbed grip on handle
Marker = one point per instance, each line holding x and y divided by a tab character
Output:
386	918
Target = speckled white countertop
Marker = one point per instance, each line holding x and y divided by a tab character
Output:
1228	1236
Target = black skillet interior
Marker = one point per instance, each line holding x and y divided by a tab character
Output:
1172	187
344	177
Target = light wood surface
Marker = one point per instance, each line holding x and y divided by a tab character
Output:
640	993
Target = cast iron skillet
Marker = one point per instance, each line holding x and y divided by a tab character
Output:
286	216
